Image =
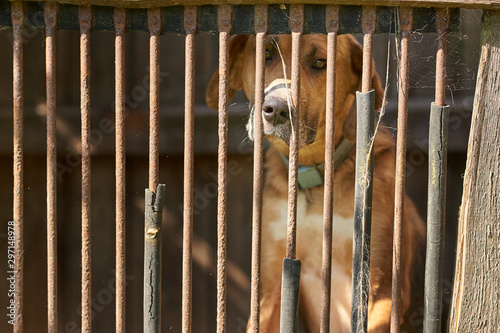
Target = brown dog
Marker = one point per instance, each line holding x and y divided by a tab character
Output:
275	114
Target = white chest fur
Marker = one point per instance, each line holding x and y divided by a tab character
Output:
309	251
306	222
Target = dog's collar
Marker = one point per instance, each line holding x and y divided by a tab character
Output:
312	176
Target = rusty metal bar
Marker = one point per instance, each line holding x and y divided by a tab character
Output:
369	22
261	25
224	22
190	25
17	16
296	26
50	16
365	104
154	23
442	25
85	18
154	195
438	146
332	27
290	280
406	21
120	20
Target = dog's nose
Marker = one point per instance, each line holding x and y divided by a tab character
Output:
275	110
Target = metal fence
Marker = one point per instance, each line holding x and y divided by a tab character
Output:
225	20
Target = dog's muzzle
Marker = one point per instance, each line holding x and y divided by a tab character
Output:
275	110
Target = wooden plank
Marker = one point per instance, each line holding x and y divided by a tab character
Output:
484	4
476	300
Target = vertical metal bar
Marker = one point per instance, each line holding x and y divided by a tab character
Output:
438	143
365	102
190	25
442	24
85	17
290	283
154	23
369	21
154	195
405	22
225	24
332	28
291	267
18	209
261	24
120	20
296	26
50	15
152	259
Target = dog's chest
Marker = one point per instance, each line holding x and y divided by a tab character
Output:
309	251
310	231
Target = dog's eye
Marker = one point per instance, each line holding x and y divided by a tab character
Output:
319	64
268	55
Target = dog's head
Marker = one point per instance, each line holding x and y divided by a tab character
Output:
277	101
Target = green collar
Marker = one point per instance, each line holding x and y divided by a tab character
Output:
312	176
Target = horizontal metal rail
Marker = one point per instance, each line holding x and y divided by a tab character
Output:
485	4
243	19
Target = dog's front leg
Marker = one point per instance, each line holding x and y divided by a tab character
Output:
379	320
270	311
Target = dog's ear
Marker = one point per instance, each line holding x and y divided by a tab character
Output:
349	127
236	47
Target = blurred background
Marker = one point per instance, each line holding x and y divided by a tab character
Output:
463	57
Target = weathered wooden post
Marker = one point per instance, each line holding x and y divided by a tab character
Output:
476	297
